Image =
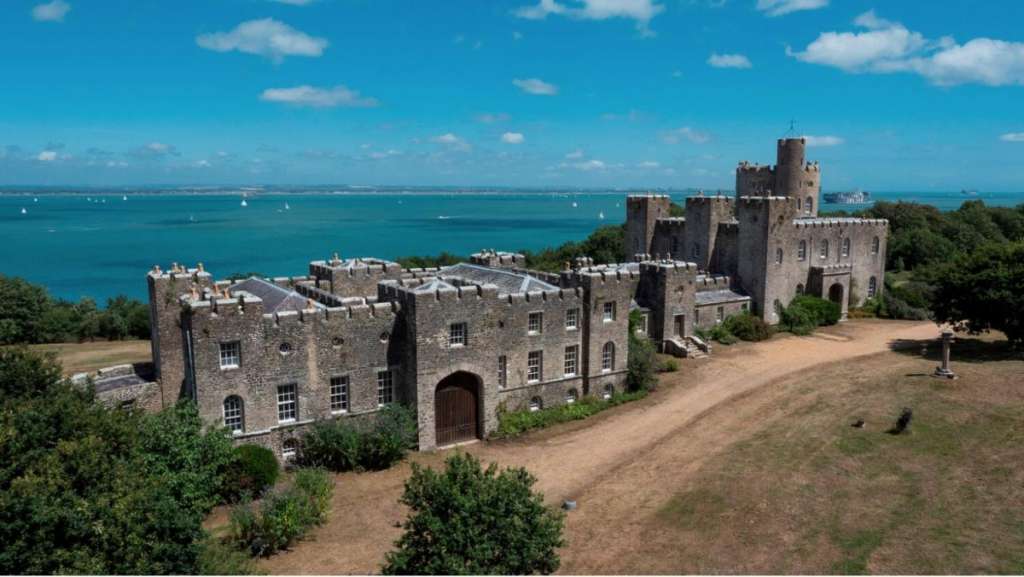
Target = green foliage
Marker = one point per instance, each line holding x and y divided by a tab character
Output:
219	558
718	333
252	471
983	290
747	327
805	313
443	259
669	366
642	359
347	445
28	315
513	423
604	245
89	489
676	210
469	520
284	516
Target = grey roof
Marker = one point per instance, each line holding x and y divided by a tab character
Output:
506	280
433	285
275	299
719	296
109	384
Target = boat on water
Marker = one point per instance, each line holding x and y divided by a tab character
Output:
124	197
574	205
244	203
852	197
600	215
286	207
23	211
970	192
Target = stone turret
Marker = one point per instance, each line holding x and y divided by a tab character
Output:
642	214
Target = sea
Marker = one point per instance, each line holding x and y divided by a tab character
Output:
101	243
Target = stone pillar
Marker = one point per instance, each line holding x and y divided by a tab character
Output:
944	370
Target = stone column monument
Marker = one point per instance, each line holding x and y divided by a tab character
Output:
944	371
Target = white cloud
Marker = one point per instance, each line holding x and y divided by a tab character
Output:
649	164
51	11
640	11
452	141
1012	137
782	7
306	95
155	150
889	47
574	155
823	140
536	86
266	37
685	133
491	118
590	165
47	156
513	138
729	61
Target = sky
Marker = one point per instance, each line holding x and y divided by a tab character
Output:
893	95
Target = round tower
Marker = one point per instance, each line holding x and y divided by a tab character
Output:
789	168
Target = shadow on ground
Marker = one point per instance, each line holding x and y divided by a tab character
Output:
965	349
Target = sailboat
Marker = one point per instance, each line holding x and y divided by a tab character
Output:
286	207
23	211
35	199
244	203
574	205
124	197
600	215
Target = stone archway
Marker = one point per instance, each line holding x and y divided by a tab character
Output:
835	294
457	409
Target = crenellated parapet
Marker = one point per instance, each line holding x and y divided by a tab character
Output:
498	259
840	222
712	282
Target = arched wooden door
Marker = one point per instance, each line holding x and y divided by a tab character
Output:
455	406
835	294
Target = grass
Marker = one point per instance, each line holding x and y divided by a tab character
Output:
809	493
88	357
514	423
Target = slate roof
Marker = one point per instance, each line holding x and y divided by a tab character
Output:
719	296
109	384
506	280
275	299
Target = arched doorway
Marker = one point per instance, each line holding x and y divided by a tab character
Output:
835	294
456	411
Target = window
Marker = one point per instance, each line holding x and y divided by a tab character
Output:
457	335
535	324
846	247
719	314
801	251
571	396
502	371
572	319
609	391
809	205
874	246
696	317
536	404
642	326
230	355
744	307
609	311
800	289
823	251
287	403
695	252
608	356
778	307
872	287
778	256
288	449
385	388
234	419
533	366
339	394
571	354
675	245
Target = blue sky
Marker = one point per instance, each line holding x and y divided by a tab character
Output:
893	95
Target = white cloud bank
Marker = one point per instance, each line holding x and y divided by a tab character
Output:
266	37
47	156
536	86
640	11
889	47
51	11
729	61
1012	137
513	138
311	96
821	141
677	135
783	7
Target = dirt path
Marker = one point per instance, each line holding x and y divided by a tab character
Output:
615	465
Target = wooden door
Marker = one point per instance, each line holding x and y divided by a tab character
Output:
456	413
680	325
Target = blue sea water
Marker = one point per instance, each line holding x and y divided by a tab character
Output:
100	245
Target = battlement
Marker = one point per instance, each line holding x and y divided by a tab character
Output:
291	282
715	199
214	306
672	221
830	269
330	316
712	282
839	222
426	291
180	272
351	267
667	266
749	200
640	198
498	259
812	167
749	168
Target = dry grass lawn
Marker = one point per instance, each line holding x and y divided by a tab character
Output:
88	357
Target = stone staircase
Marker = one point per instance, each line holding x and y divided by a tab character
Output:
691	348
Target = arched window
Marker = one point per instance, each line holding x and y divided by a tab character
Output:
288	448
798	203
846	247
608	356
874	246
872	287
800	289
234	415
571	396
778	256
809	205
609	391
824	249
801	251
536	404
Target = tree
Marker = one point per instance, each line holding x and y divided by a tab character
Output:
22	306
642	361
982	290
469	520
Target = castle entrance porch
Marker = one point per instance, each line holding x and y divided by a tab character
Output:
456	406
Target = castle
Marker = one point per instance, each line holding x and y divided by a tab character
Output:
267	357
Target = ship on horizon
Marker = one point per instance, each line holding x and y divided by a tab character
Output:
852	197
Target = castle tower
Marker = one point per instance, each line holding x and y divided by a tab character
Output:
642	214
168	339
703	216
795	178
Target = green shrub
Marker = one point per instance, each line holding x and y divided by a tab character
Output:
642	360
722	335
219	558
747	327
669	366
512	423
253	470
798	320
373	445
283	517
805	313
467	520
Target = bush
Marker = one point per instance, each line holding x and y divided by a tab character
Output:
252	471
669	366
470	520
805	313
642	361
512	423
798	320
283	517
747	327
219	558
345	445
